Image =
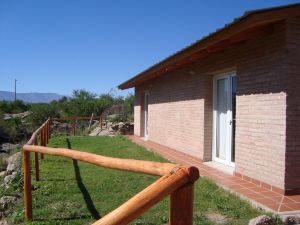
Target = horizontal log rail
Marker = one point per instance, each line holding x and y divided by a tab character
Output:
139	166
176	181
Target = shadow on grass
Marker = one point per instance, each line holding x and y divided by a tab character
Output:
87	197
63	218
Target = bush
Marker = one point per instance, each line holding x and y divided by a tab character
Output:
41	112
13	107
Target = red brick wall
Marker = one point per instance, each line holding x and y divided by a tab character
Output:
180	110
293	105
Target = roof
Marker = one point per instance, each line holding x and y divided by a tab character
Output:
251	24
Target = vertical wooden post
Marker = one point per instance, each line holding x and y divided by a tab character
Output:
42	141
27	186
36	163
49	128
47	132
181	205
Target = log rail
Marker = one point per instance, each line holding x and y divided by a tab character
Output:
176	181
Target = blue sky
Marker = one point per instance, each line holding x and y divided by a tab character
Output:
62	45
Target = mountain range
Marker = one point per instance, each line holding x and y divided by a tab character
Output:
30	97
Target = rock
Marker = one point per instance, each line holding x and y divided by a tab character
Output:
9	178
95	124
21	115
7	116
13	163
114	127
4	222
6	201
104	133
127	128
95	132
261	220
6	147
2	174
292	220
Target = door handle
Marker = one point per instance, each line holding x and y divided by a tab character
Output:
231	121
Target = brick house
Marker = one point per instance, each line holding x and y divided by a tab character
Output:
231	98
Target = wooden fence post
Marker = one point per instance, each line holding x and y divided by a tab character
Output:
100	121
42	141
27	185
45	136
49	129
181	205
36	163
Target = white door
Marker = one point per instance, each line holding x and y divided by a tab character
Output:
146	114
224	119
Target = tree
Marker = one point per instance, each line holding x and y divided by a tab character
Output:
13	107
129	104
41	112
82	103
104	102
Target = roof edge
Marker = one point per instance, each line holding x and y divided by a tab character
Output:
247	18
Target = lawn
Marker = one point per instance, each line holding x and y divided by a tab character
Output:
72	192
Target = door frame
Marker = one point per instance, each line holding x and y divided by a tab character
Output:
146	115
229	135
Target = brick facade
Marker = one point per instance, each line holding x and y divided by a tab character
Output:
181	107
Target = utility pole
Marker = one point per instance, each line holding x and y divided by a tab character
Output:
15	91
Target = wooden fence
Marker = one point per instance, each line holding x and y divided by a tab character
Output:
73	120
176	181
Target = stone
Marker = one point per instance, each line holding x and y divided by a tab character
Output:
9	178
7	116
2	174
13	163
104	133
95	132
6	147
292	220
115	127
6	201
95	124
21	115
261	220
4	222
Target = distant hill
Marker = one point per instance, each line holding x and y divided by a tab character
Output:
30	97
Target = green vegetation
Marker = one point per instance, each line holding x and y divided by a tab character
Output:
81	103
13	107
72	192
11	130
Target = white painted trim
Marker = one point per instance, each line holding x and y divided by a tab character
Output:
229	132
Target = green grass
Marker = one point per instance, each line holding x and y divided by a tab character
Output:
77	193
